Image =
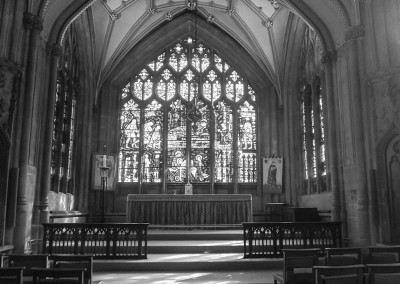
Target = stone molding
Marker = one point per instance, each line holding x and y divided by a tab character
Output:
329	57
354	32
33	22
54	50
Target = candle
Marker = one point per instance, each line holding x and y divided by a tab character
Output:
104	161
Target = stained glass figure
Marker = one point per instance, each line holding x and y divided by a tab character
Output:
129	143
223	143
200	147
176	139
153	141
247	156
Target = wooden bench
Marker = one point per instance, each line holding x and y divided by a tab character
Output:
75	261
11	275
58	275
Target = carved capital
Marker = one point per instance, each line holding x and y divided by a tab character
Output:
329	57
354	32
32	22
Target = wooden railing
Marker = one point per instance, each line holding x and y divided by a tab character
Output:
267	239
102	240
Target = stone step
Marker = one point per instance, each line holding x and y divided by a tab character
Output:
163	234
189	262
194	246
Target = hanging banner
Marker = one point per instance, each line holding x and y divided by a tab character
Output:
100	160
272	173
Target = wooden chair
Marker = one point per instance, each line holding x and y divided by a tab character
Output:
28	261
339	274
343	256
298	266
383	254
75	261
12	275
384	273
58	275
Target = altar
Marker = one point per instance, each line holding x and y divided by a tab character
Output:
196	209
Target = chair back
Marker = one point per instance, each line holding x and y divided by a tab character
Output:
383	254
75	261
298	265
339	274
343	256
11	275
28	261
387	273
58	275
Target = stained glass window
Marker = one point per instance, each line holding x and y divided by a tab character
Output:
205	107
64	121
313	137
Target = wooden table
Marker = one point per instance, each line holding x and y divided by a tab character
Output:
197	209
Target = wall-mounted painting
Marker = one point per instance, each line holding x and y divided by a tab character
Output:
272	173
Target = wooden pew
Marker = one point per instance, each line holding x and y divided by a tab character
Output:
343	256
75	261
343	274
11	275
58	275
298	266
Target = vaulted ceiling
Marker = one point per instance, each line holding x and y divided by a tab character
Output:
261	27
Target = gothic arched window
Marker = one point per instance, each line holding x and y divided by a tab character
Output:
188	116
64	116
312	118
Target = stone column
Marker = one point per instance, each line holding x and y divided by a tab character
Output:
9	78
55	52
353	37
33	25
329	60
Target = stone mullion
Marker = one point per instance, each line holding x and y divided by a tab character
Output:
33	25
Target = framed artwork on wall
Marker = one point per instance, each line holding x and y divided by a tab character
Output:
272	173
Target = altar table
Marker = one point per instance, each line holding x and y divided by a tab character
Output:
196	209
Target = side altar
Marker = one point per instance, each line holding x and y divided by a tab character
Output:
196	209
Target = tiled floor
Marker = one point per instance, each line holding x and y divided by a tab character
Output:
220	277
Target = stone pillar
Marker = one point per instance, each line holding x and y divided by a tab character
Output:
353	36
329	60
9	78
55	52
33	24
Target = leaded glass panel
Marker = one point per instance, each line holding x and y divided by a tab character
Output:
177	137
153	141
200	147
129	143
247	160
223	143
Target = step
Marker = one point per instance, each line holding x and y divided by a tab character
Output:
189	262
170	234
194	246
